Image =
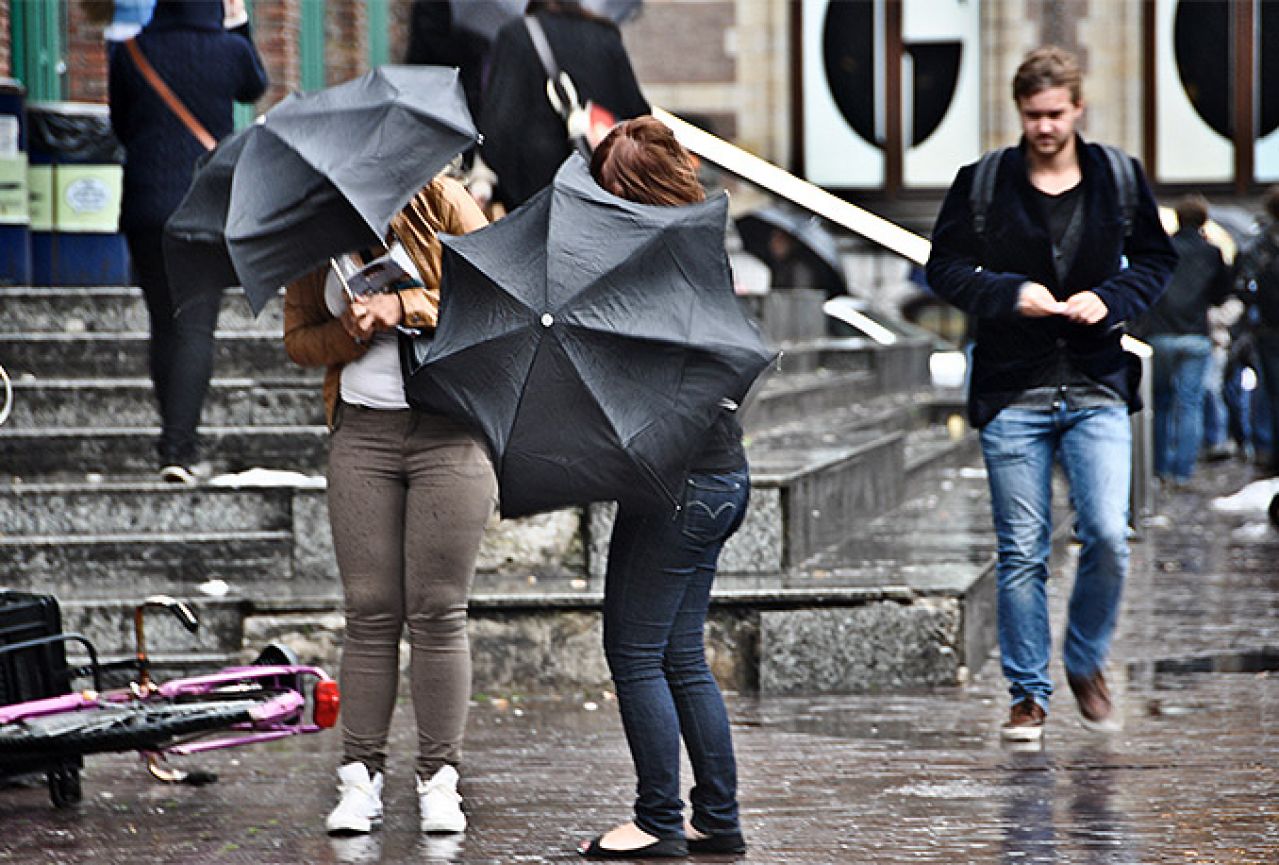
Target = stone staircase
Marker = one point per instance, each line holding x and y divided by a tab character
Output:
864	562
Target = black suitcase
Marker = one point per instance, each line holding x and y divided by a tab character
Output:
33	672
37	671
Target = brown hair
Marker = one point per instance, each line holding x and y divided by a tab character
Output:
1192	211
1045	67
1271	202
640	160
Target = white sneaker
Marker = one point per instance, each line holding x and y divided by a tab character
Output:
360	808
440	804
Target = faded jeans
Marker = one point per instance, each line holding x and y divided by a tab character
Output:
656	596
1094	447
1181	364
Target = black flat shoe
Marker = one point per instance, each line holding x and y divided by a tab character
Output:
662	848
733	842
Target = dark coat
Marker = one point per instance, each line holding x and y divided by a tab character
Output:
1013	352
525	141
1200	280
207	68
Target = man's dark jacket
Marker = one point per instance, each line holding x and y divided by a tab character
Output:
207	68
1200	280
984	276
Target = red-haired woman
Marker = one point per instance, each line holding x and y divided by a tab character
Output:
658	584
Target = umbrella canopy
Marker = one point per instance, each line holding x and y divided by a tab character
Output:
322	173
816	245
484	17
591	340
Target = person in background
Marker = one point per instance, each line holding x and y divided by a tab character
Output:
1177	329
1050	381
409	496
208	68
525	140
658	584
1258	283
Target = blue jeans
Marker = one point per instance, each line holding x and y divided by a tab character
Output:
1216	415
656	594
1181	362
1094	447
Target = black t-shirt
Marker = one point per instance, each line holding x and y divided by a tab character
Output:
1058	210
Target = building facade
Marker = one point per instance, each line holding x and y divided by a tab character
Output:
878	98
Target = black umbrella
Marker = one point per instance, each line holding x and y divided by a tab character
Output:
591	340
484	17
322	174
815	247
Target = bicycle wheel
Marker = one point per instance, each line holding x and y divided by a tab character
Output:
125	726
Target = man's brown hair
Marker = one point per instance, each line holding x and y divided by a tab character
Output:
1045	67
640	160
1192	211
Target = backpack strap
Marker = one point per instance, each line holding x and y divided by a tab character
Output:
983	189
1125	179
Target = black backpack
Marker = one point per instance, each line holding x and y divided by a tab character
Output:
1258	264
979	197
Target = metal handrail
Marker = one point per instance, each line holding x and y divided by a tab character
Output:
783	184
7	407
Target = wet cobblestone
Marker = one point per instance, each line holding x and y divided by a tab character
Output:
896	778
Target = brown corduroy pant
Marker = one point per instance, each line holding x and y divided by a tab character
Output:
409	496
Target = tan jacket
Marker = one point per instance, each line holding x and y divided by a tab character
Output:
313	337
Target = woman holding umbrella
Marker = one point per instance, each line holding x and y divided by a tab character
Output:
658	583
409	494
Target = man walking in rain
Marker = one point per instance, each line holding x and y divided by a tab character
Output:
1052	247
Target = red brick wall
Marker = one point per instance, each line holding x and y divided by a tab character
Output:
275	31
86	55
398	25
6	54
346	42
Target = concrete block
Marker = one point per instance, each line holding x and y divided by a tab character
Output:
880	645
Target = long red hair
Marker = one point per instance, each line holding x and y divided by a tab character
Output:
640	160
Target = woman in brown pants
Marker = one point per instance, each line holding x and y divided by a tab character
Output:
409	496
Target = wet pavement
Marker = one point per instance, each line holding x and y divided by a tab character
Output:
898	778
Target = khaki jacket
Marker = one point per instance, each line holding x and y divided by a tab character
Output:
313	337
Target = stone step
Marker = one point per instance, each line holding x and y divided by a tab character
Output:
801	501
108	623
123	507
77	452
107	566
124	355
62	403
101	538
113	309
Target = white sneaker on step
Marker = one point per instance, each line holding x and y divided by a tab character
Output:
360	808
440	804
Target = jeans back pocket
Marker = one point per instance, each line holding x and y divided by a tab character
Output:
714	505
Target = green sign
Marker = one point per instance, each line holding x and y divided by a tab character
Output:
14	208
88	198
